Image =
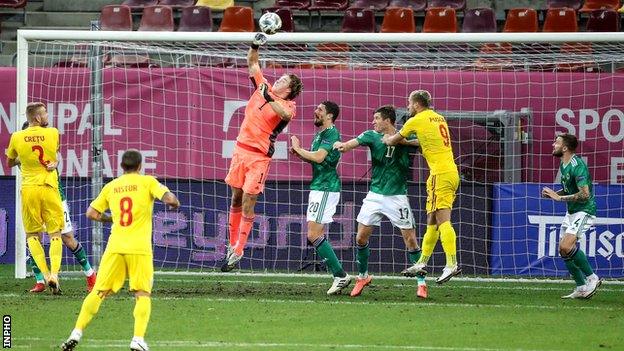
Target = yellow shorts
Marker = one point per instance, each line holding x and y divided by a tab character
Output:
42	209
114	267
441	190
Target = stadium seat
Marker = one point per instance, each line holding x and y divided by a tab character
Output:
138	5
157	19
293	4
457	5
398	20
603	21
116	17
176	4
440	20
375	5
495	57
195	19
560	20
415	5
358	20
15	4
216	4
479	20
521	20
573	4
591	5
238	19
329	5
288	23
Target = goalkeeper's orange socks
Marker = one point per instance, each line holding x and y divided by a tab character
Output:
448	238
37	253
56	254
428	243
246	225
90	307
234	223
142	311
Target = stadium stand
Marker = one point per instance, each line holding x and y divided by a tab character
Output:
293	4
560	20
591	5
176	4
521	20
415	5
480	20
238	19
398	20
440	20
138	5
157	18
457	5
286	15
358	20
603	21
376	5
216	4
573	4
116	17
195	19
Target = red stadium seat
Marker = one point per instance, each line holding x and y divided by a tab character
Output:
560	20
116	17
358	20
157	19
176	4
479	20
375	5
238	19
440	20
591	5
195	19
398	20
293	4
603	21
329	5
521	20
581	50
415	5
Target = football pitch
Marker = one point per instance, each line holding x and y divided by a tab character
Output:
255	312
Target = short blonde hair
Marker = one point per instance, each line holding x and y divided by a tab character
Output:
33	109
423	97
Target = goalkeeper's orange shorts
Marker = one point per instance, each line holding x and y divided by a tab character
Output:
115	267
248	170
42	209
441	189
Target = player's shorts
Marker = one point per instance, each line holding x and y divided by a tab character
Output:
67	223
113	268
322	206
577	223
248	170
441	189
395	207
42	210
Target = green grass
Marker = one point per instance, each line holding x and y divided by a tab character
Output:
236	312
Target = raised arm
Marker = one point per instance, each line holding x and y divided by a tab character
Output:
348	146
317	156
252	54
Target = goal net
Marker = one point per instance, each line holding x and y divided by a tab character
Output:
179	98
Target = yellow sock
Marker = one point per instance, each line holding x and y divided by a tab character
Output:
90	307
142	311
448	238
428	243
36	251
56	254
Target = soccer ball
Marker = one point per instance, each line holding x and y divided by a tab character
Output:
270	23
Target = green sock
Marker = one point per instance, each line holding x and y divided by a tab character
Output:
363	252
414	255
574	270
581	261
325	251
81	255
35	269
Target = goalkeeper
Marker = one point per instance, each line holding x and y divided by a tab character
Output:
268	112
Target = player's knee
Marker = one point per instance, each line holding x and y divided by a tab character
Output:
139	293
69	241
104	293
361	240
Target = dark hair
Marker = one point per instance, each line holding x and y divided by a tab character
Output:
387	112
422	97
25	125
33	109
569	140
131	160
331	107
295	87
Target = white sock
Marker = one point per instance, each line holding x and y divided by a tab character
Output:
89	272
76	334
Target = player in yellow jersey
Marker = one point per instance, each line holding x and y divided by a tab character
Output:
34	149
130	199
434	138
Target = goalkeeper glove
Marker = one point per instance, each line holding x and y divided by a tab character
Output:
264	90
259	39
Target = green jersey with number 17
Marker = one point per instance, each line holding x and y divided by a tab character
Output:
390	164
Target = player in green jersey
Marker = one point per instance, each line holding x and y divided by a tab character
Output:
324	188
387	196
578	194
67	235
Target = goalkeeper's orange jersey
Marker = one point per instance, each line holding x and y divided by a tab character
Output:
435	140
130	198
35	147
262	125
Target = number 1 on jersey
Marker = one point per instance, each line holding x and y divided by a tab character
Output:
125	218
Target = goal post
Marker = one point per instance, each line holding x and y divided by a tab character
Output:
179	98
